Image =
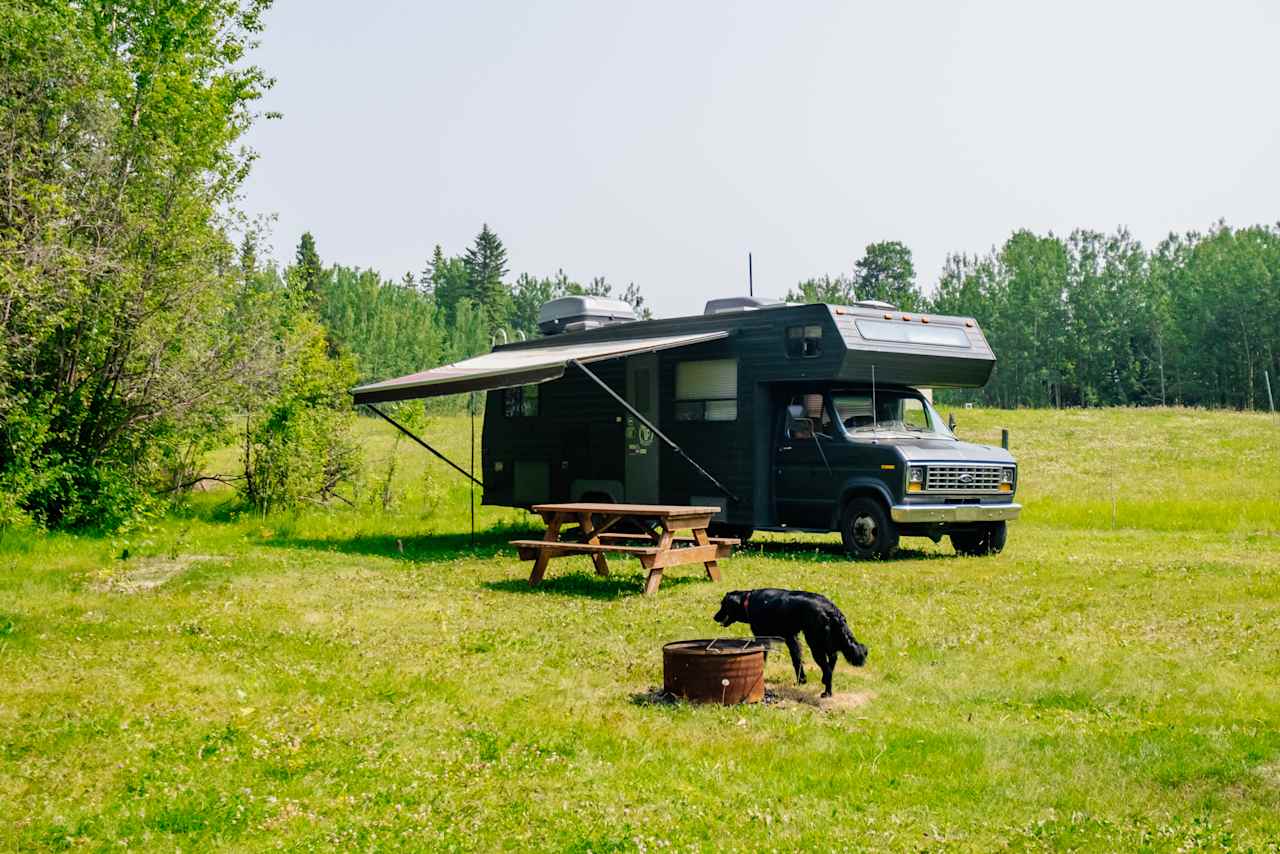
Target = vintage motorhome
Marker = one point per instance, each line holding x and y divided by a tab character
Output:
787	417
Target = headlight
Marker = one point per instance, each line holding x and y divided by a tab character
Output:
1006	479
915	479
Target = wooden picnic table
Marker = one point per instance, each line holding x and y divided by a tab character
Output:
657	545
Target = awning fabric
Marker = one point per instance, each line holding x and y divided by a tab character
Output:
514	367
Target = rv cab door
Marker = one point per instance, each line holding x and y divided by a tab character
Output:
802	489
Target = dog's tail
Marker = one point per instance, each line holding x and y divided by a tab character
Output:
854	652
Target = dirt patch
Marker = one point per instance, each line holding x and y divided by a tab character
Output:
144	574
781	696
842	701
1270	774
846	701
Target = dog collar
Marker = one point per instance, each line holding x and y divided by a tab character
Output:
746	600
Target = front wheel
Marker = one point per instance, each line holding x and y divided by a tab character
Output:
866	530
984	540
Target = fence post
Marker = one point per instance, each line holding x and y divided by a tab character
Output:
1271	401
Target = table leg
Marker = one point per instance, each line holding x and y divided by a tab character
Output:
655	575
598	558
544	556
713	568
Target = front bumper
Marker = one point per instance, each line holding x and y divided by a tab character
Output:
912	513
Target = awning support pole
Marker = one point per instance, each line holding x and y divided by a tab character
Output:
646	422
385	417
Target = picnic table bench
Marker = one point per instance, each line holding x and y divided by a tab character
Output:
656	545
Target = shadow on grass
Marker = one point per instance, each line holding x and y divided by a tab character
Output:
588	585
423	548
825	552
493	543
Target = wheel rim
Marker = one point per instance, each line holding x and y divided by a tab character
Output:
864	531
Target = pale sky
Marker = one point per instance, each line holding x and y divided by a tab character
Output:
660	142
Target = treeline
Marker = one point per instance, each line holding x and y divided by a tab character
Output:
1096	319
456	307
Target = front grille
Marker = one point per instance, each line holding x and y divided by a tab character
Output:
962	479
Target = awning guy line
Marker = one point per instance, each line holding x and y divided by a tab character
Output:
405	431
646	422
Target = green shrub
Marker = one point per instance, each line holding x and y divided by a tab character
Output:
299	446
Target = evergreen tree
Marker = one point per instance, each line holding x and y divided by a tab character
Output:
529	295
632	295
446	279
307	267
249	254
486	266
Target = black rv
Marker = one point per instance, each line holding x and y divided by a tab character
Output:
788	417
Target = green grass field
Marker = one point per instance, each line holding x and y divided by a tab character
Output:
367	679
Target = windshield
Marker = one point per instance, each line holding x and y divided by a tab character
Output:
896	411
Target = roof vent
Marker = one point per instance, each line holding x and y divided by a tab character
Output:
728	304
574	314
878	305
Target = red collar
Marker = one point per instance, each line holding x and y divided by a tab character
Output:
746	599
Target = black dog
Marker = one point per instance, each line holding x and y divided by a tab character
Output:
787	613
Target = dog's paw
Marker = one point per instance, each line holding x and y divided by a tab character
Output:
825	694
800	677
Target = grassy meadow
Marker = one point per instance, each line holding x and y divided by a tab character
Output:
367	678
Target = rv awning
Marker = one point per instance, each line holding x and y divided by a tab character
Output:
514	367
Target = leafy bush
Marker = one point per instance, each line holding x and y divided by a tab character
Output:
299	445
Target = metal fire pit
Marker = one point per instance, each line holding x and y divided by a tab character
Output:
724	670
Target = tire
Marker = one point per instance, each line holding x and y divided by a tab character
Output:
723	529
979	542
866	530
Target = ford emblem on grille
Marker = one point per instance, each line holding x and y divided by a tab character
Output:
966	478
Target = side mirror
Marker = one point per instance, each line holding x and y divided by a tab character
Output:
951	422
797	427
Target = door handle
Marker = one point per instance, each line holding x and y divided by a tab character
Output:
785	448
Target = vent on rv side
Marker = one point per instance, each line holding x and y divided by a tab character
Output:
573	314
728	304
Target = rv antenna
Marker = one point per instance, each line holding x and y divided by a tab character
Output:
751	284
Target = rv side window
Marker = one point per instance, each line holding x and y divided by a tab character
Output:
707	391
521	401
804	342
